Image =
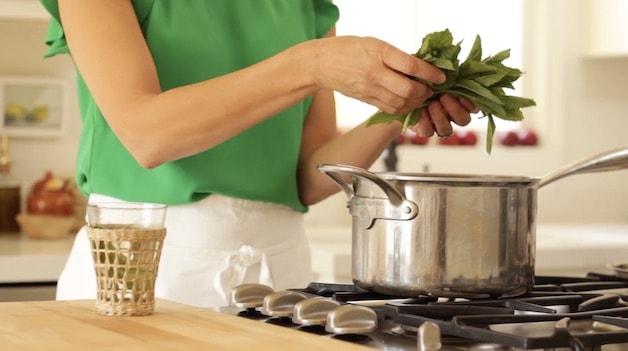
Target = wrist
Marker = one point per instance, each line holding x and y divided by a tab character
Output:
308	59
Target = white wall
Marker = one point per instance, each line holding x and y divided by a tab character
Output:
583	102
22	55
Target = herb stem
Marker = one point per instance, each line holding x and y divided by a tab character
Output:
406	122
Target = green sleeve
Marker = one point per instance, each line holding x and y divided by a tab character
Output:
55	37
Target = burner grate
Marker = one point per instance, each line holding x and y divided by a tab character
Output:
522	331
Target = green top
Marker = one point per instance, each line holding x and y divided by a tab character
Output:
191	41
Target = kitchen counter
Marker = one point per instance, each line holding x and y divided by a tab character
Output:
74	325
561	249
580	249
24	260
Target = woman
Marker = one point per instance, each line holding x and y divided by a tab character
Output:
222	110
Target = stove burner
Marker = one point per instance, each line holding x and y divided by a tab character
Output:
559	313
496	321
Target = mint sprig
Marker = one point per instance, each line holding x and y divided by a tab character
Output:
481	81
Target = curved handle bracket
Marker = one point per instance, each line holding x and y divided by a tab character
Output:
367	209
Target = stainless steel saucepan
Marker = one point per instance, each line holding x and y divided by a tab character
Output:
450	235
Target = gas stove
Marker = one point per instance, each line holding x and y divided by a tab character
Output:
559	313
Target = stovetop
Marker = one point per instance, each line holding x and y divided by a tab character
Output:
559	313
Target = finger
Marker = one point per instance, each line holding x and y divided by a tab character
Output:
411	65
456	111
384	100
468	105
440	119
408	89
424	127
397	94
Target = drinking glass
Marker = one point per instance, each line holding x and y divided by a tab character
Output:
126	241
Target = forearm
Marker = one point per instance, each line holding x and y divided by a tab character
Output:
203	115
361	147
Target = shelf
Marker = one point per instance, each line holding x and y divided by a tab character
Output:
22	10
606	29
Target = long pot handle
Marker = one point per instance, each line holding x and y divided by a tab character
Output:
394	206
607	161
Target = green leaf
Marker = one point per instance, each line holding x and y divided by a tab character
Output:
413	117
512	115
481	81
383	117
490	133
473	69
475	54
478	89
442	63
517	102
498	58
435	41
512	74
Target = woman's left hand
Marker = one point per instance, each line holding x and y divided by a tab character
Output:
440	114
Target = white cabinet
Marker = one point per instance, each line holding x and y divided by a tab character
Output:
606	28
22	9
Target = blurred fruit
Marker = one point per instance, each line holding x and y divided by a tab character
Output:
509	138
467	137
527	137
39	113
14	112
54	184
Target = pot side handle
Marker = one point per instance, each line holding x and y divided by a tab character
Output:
334	171
395	206
607	161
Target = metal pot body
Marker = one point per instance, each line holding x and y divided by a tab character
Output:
468	238
450	236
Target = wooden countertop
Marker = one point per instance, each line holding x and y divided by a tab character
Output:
74	325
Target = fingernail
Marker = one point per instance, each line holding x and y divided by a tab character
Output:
442	78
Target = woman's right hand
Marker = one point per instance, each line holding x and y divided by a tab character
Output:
373	71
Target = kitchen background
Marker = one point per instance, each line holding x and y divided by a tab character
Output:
574	54
575	58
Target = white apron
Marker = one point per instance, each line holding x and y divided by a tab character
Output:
210	247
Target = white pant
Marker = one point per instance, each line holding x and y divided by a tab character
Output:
210	247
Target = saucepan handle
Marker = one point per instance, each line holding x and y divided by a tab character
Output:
607	161
394	206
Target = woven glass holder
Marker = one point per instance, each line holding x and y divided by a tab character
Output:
126	261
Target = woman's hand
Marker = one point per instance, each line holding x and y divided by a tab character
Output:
373	71
439	115
380	74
